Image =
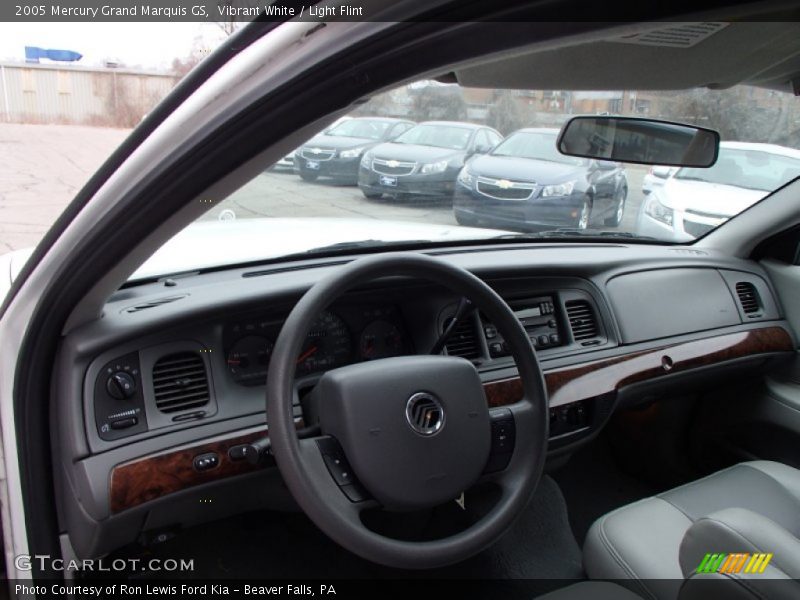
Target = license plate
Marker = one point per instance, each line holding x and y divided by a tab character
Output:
389	181
313	165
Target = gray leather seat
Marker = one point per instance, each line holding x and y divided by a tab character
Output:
653	545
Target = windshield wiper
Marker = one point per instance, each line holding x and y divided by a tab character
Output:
567	232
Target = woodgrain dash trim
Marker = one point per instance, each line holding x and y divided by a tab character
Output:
591	379
151	477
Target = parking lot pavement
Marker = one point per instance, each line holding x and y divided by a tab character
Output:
42	167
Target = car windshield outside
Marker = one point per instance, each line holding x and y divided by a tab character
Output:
371	129
438	136
534	145
452	178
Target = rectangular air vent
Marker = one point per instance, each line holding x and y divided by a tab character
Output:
180	382
463	341
748	297
581	319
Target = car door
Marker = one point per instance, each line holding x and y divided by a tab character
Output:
604	174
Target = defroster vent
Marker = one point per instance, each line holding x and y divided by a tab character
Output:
463	341
581	319
180	382
748	297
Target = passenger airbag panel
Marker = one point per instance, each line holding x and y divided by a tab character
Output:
668	302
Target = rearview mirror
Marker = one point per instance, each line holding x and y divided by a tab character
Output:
642	141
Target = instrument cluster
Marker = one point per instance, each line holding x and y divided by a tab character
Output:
339	336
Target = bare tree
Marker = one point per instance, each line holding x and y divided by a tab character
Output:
444	102
504	113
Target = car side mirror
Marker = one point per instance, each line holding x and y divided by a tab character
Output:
662	172
605	165
482	149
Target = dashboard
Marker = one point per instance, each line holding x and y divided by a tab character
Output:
158	400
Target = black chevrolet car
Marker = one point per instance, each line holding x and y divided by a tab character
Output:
424	161
337	151
525	183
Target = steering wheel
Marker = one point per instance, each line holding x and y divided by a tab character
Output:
405	432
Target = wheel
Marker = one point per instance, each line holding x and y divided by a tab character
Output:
465	220
371	195
619	210
415	430
308	175
585	214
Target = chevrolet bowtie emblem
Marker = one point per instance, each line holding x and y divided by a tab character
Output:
392	163
504	184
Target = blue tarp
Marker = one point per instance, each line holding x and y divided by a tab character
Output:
33	54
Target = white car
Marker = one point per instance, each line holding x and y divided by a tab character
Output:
655	178
693	201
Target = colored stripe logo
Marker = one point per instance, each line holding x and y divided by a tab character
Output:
738	562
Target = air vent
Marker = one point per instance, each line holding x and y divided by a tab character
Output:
179	382
748	297
151	304
581	319
463	342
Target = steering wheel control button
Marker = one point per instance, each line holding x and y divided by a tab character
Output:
425	413
206	462
355	493
340	469
504	432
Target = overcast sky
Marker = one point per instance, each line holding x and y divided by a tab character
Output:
150	45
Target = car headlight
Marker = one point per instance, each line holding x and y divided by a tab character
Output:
659	212
352	152
558	189
436	167
466	178
366	160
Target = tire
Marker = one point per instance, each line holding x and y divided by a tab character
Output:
585	215
619	210
371	195
308	175
465	221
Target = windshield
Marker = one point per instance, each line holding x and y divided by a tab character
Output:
749	169
534	145
439	182
438	136
371	129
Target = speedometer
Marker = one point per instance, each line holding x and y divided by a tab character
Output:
327	346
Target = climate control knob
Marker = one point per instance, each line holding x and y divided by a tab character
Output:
121	385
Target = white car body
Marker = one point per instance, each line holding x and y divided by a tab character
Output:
696	207
655	178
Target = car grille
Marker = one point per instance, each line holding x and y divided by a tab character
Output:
395	168
321	154
502	189
696	229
